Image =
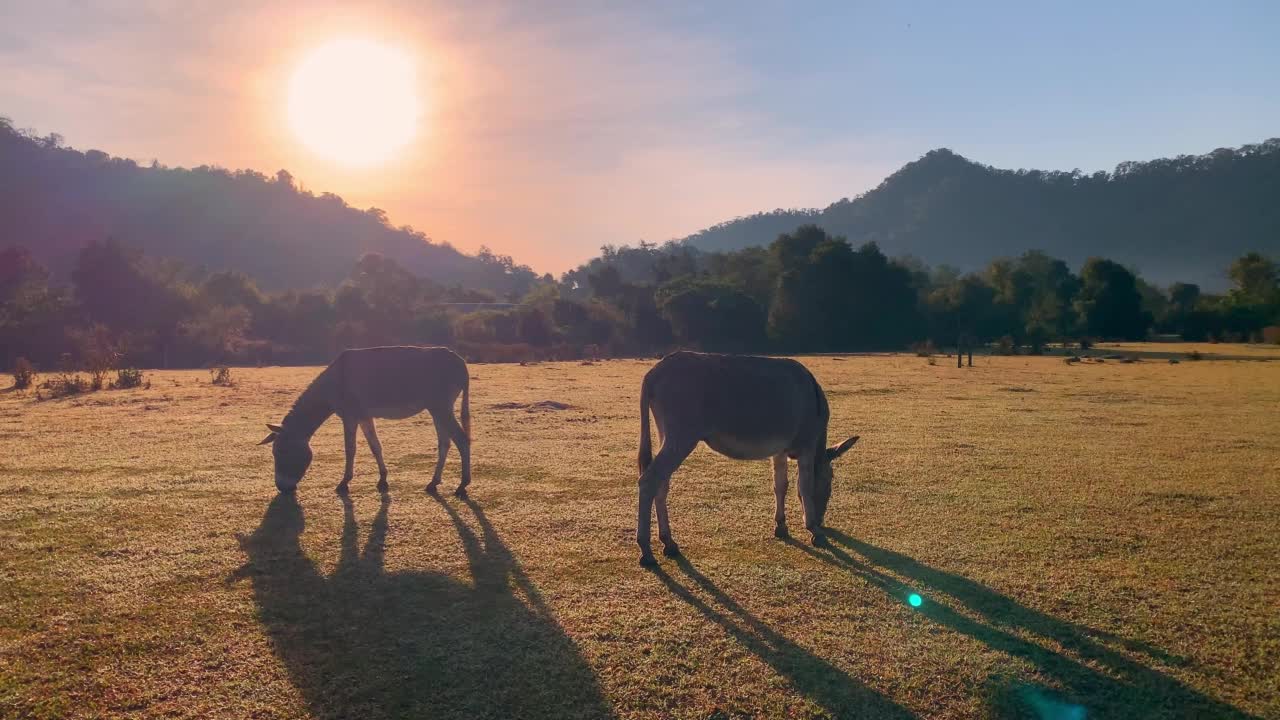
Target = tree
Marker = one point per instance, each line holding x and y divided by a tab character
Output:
1255	279
711	315
115	287
1109	304
961	312
33	316
830	297
229	289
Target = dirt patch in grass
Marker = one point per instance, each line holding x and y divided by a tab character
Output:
539	406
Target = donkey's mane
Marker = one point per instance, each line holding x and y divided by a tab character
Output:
312	407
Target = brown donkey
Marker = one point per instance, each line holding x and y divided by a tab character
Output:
744	407
379	382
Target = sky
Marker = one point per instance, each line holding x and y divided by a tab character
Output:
549	129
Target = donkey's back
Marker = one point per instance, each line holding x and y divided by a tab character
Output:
743	406
396	381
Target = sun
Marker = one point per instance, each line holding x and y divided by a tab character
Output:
355	101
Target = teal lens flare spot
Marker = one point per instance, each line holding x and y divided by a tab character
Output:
915	600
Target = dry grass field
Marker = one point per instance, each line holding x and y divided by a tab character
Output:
1091	540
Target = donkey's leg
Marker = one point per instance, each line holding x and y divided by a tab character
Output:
669	546
349	441
805	485
780	496
464	449
442	444
654	481
371	437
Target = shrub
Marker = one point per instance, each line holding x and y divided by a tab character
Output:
67	383
221	375
1194	355
1006	346
24	373
931	360
99	355
127	378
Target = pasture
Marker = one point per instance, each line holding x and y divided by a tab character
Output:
1100	536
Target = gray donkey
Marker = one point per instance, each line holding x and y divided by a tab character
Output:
744	407
379	382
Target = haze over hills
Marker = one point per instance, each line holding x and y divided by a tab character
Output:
1184	218
54	200
1179	219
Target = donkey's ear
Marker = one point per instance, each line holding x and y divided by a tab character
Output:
273	428
268	439
836	451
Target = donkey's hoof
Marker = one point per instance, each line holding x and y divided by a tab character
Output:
820	541
782	533
648	561
671	551
433	488
383	486
460	492
341	489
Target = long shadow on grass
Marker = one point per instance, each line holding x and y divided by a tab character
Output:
1094	680
366	643
810	675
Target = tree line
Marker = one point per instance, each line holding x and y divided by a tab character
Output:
808	291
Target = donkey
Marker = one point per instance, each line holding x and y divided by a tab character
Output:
743	407
379	382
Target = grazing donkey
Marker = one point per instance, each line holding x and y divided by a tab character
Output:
744	407
379	382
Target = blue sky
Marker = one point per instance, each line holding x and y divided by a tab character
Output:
555	128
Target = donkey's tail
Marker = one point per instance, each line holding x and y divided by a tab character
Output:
466	405
646	444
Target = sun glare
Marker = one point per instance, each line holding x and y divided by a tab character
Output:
355	101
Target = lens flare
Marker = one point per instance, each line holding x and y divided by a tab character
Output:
915	600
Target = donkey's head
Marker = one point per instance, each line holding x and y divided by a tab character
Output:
292	454
823	474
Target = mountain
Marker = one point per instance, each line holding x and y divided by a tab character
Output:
54	200
1184	218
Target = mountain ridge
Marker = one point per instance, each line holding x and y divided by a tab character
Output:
1181	218
55	199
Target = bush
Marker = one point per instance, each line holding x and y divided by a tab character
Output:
24	373
127	378
1194	355
99	355
221	375
67	383
1006	346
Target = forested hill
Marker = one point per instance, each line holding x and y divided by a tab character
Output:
1173	219
54	200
